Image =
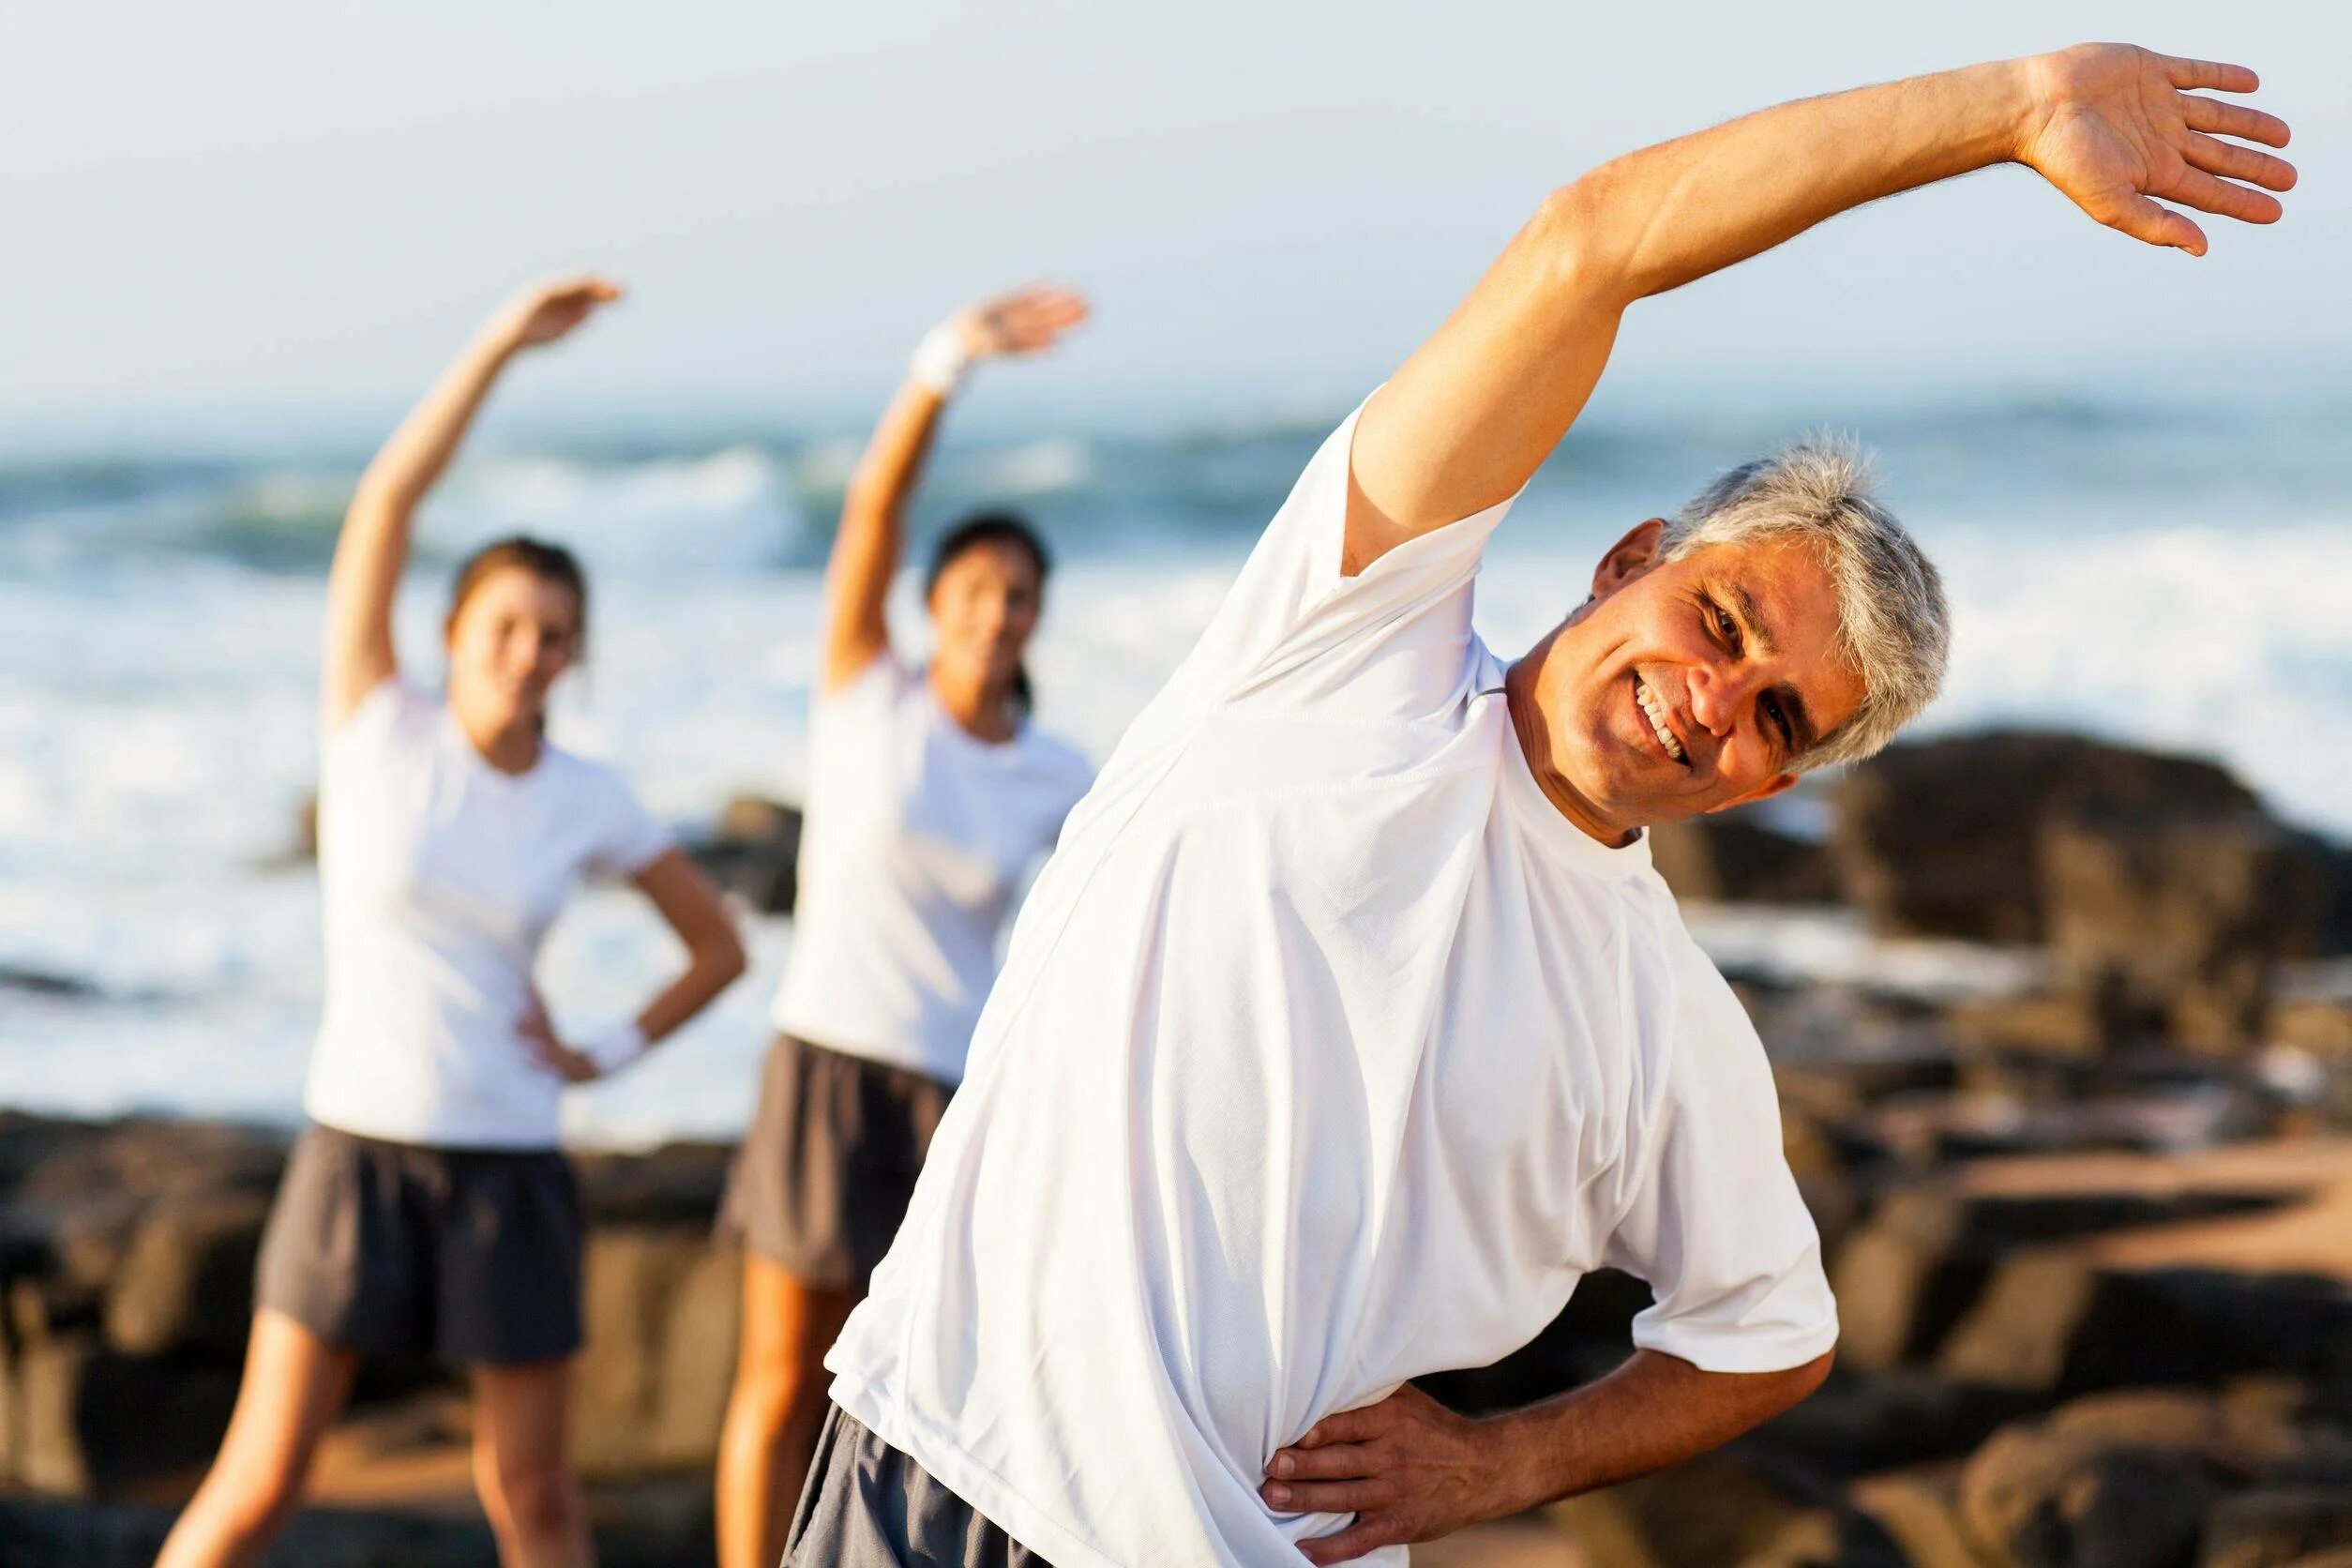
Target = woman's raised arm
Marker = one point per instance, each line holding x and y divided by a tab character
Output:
866	548
373	549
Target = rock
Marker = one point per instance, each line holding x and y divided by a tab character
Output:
755	852
1733	859
1713	1512
2279	1528
2026	1327
1903	1277
1941	838
1919	1512
2173	926
663	1312
2044	1498
85	1420
186	1282
678	1184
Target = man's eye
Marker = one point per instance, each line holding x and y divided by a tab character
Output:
1728	628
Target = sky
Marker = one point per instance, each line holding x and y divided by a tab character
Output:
288	212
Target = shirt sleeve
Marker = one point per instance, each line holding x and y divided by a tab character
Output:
391	713
1718	1229
1392	642
628	837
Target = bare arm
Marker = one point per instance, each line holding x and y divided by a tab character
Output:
866	547
1411	1469
714	959
373	549
1478	407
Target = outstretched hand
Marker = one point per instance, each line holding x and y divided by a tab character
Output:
1026	321
2116	129
550	310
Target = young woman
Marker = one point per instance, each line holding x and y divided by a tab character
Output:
930	796
427	1211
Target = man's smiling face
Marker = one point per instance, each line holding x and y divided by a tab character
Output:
1686	686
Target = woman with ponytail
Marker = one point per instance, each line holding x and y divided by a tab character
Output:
427	1212
931	797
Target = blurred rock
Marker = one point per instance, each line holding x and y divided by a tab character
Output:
82	1419
186	1280
2044	1498
2173	926
1715	1512
1734	859
754	853
2279	1528
1919	1512
663	1310
1942	837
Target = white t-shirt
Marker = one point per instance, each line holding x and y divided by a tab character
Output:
440	877
1327	1053
917	842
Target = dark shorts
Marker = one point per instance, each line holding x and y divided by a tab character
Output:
866	1505
821	1182
463	1256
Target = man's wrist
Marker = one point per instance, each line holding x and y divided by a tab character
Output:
2015	96
1520	1462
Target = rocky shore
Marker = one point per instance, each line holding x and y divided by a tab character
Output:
2091	1232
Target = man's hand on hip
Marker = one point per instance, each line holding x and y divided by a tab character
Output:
1407	1467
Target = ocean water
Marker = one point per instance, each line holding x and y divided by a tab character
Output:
2163	573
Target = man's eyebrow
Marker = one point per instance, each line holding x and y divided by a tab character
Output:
1804	736
1750	620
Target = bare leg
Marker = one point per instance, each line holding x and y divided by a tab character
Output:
294	1387
522	1465
774	1413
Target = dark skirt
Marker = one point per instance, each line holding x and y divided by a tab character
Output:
823	1177
467	1257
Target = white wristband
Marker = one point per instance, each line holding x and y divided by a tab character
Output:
940	361
616	1047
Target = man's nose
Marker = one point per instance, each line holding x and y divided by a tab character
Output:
1717	695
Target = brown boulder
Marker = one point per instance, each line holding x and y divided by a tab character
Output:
755	852
663	1310
186	1281
2173	926
1942	837
1734	859
2043	1498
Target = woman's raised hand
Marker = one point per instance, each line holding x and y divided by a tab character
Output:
2115	127
548	310
1025	321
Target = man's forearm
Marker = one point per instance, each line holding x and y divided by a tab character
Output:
1653	1412
1658	218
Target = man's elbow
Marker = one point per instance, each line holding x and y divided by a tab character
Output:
1576	238
1800	1383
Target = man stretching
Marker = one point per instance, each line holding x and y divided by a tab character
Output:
1349	1025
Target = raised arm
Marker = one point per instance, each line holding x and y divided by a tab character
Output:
373	549
1479	406
873	512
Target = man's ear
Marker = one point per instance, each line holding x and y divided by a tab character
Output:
1627	559
1765	790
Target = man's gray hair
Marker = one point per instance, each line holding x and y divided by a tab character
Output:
1893	626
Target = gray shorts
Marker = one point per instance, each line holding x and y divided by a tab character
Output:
468	1256
822	1179
866	1505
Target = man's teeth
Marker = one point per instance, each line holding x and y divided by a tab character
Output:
1657	710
